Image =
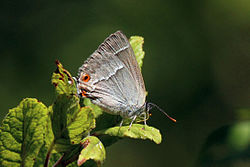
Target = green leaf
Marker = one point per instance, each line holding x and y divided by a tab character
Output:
103	119
96	110
239	136
137	45
92	149
24	135
137	131
69	157
63	81
83	123
70	123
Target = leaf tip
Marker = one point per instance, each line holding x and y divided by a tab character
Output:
81	161
57	62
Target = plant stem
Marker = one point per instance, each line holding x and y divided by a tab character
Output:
46	163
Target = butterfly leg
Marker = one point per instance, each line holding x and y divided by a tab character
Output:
120	126
121	123
133	119
145	118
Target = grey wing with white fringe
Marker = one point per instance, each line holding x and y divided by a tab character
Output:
115	81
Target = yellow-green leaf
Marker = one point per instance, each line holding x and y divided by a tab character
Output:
63	81
137	131
24	135
96	110
92	149
137	45
70	123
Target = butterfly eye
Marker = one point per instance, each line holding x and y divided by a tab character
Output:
85	78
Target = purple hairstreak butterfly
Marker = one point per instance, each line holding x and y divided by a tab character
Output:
111	78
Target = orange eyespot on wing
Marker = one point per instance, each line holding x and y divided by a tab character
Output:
85	77
84	93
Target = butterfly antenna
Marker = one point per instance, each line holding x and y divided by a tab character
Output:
151	105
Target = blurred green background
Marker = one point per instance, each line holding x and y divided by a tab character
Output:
196	67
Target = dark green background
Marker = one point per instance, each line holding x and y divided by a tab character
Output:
196	67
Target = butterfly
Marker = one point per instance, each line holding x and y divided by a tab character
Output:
111	78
